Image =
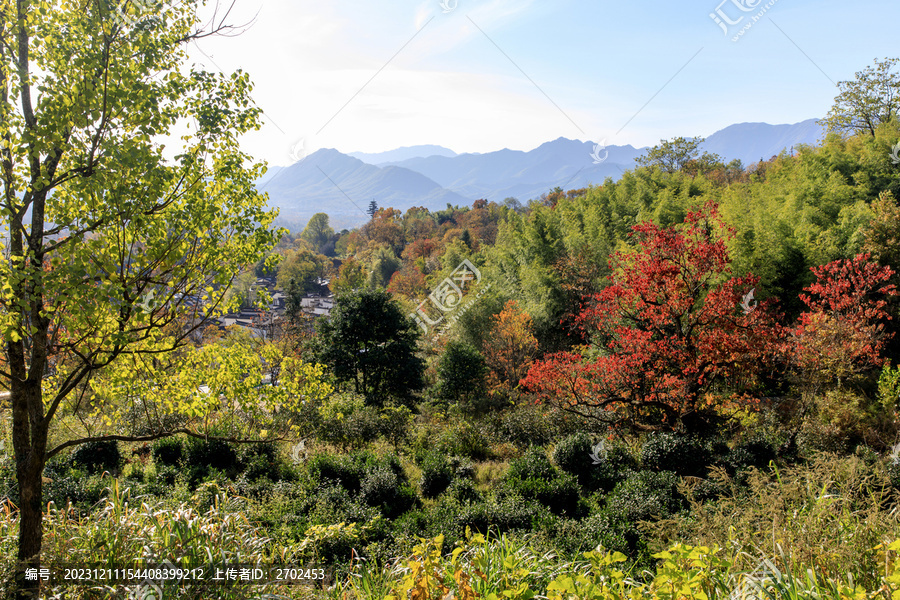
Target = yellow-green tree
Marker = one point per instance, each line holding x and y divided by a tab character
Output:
115	250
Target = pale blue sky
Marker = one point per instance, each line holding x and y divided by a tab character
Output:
489	74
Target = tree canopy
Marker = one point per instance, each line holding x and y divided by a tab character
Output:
668	328
115	250
370	343
869	100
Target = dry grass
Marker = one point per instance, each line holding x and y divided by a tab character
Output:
487	473
833	514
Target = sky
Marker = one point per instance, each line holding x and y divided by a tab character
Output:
482	75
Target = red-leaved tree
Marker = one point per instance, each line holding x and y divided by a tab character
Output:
667	335
843	334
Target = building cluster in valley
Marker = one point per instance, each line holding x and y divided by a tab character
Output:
263	323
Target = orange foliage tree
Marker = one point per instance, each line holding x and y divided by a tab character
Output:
509	349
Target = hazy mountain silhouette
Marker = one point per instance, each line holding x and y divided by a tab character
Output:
433	176
751	142
403	153
342	186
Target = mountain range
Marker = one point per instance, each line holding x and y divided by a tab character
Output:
343	185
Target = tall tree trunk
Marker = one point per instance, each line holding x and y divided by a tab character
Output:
30	445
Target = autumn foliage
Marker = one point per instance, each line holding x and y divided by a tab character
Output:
509	349
664	333
843	332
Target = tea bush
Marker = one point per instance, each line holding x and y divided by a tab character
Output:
527	425
345	470
646	495
573	455
463	491
533	477
754	452
437	475
532	464
201	454
97	457
463	438
678	453
384	489
576	455
168	451
332	503
263	461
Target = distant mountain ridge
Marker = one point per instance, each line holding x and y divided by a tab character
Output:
752	142
342	186
432	176
404	153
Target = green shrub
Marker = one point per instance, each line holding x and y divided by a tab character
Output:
437	475
525	426
681	454
893	467
598	466
461	371
341	469
257	488
166	475
464	491
332	503
346	420
350	470
462	468
561	494
532	464
754	452
66	485
214	454
394	423
574	536
533	477
262	461
97	457
504	514
645	496
382	488
9	486
168	451
573	454
462	438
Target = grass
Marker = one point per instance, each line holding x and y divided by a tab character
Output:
499	567
487	473
832	514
